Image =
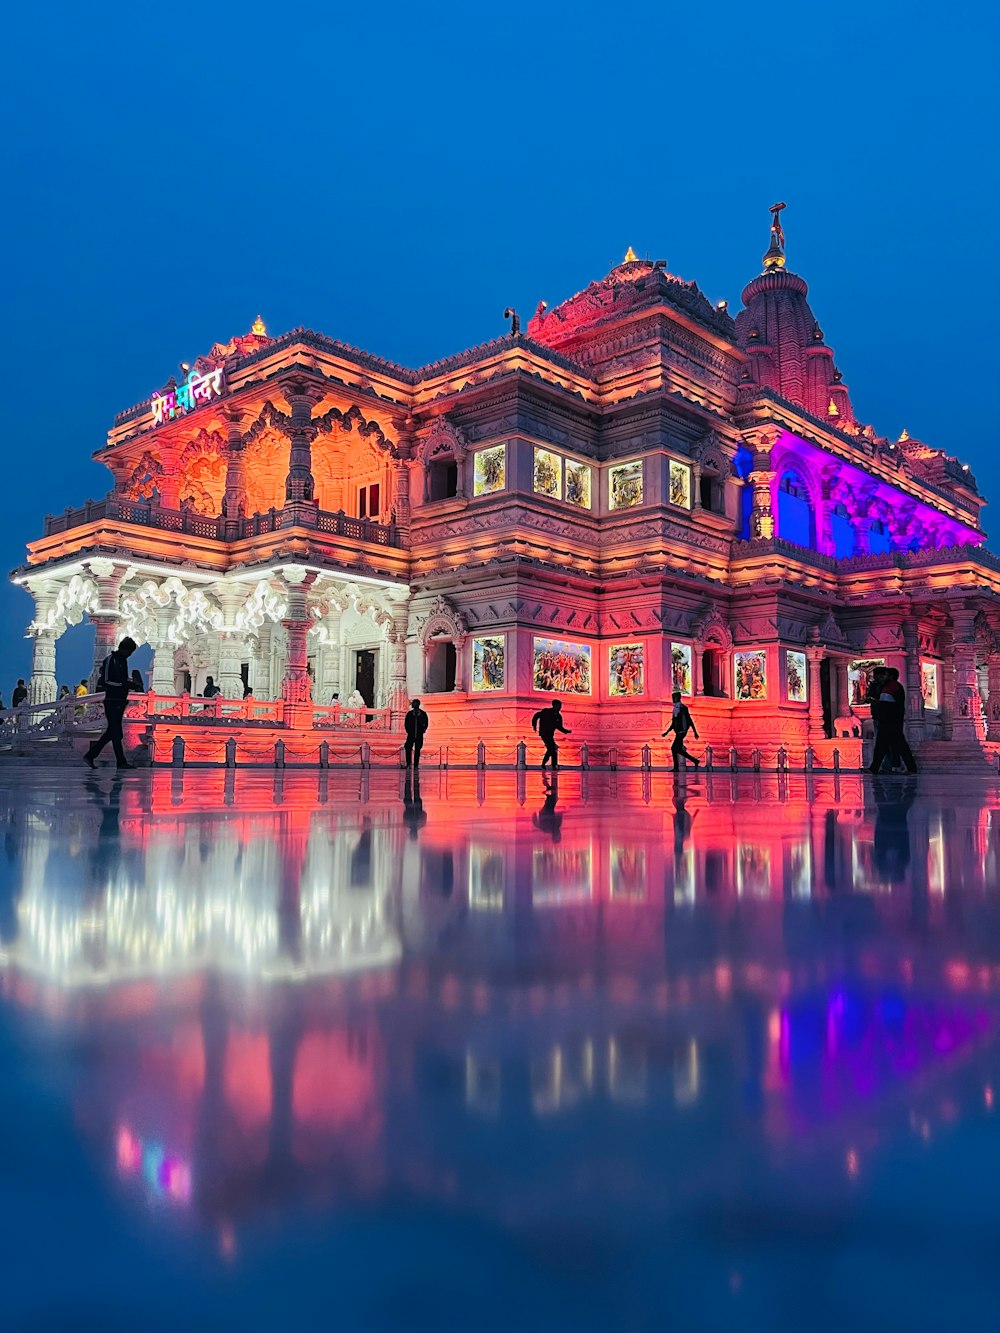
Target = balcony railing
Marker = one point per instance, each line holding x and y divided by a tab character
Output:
297	514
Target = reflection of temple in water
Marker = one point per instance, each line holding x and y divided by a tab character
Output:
282	975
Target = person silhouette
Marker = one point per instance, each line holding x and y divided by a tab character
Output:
680	724
546	722
116	683
415	724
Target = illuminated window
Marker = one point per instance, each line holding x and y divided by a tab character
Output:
795	517
368	501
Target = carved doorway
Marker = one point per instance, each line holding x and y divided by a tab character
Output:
364	675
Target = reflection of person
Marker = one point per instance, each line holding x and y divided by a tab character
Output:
548	820
416	723
116	680
680	724
682	825
891	836
547	721
414	814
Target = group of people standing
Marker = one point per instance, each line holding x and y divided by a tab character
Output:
887	699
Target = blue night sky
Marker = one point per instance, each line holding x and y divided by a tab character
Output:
394	175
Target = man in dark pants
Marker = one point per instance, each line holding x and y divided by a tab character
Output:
547	721
416	725
889	739
680	724
116	681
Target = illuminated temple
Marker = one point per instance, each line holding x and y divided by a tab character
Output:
636	493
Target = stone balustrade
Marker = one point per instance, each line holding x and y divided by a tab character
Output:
146	514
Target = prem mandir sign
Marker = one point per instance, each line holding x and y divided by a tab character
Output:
191	393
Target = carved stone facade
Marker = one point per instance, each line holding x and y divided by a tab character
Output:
640	494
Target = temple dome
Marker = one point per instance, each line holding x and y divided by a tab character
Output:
783	341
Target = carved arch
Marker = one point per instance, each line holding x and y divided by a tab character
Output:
444	441
354	420
144	477
712	629
443	621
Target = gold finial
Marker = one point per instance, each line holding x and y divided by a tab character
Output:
775	257
630	256
833	410
904	435
258	328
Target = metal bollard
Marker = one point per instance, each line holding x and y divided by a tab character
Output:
177	752
709	759
647	757
613	758
584	755
782	759
324	754
836	760
522	755
366	754
481	755
734	760
810	760
755	760
279	754
231	752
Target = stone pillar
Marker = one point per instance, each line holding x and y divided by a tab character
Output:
401	471
398	700
993	702
169	486
161	679
330	679
105	617
814	656
234	502
261	679
761	479
42	687
296	689
230	679
966	720
697	671
300	484
911	680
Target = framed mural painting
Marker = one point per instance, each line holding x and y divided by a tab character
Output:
680	668
626	670
680	484
489	470
859	678
750	670
558	667
488	654
547	478
577	483
929	684
625	485
796	677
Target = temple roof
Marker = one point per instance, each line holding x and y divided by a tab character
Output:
631	285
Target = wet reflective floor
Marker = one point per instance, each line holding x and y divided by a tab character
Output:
331	1051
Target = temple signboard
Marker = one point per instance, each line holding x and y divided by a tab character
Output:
193	392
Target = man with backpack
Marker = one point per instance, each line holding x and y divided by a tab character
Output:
115	682
680	724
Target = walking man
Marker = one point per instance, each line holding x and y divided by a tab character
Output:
680	724
115	681
416	727
547	721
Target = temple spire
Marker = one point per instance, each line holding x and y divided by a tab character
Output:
775	257
258	328
630	256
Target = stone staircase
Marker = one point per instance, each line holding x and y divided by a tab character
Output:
959	757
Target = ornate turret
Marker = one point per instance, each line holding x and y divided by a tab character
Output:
784	342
